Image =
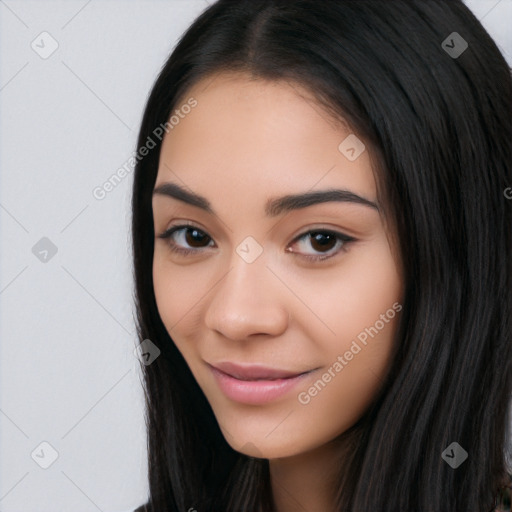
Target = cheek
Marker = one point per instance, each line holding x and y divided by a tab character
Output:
330	408
354	371
361	306
347	299
175	294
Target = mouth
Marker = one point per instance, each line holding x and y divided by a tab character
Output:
255	372
255	384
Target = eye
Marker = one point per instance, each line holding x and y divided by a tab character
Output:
322	241
186	233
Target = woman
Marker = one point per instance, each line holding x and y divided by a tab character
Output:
322	255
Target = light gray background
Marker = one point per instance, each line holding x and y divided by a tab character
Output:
68	373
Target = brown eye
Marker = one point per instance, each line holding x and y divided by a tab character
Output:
185	239
190	240
322	241
195	238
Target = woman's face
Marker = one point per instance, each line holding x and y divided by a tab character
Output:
253	290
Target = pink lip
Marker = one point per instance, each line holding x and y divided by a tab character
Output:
254	384
254	371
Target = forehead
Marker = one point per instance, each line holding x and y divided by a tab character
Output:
257	135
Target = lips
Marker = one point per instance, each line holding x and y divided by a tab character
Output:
256	384
255	372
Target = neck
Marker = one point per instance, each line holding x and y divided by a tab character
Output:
308	482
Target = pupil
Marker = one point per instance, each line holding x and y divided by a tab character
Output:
195	233
322	239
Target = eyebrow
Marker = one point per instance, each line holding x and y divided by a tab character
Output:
274	206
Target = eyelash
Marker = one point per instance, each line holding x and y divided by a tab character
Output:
186	252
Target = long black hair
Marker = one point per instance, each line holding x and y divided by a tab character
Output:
436	117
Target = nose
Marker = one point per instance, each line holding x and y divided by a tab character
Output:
248	300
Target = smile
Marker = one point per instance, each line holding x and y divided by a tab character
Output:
258	389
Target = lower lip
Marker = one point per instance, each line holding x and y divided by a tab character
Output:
255	391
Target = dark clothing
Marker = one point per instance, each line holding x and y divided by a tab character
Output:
502	501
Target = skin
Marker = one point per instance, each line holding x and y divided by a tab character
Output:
247	141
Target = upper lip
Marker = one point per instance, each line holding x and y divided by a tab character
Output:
254	372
